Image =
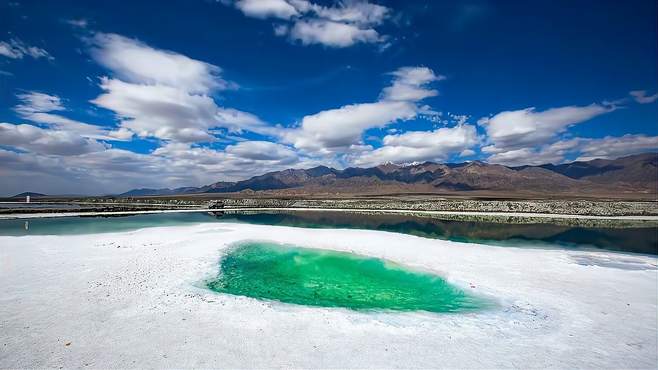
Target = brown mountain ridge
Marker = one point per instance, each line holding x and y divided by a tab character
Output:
636	174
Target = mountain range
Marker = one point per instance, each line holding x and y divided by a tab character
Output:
636	174
30	194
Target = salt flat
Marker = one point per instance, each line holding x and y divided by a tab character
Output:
136	299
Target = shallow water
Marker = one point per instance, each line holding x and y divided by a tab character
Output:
335	279
637	239
95	225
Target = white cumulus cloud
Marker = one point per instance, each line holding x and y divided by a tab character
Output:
409	84
46	141
342	25
266	8
436	145
511	130
162	94
330	33
135	62
617	146
339	129
46	109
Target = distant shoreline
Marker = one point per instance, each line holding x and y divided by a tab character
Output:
232	210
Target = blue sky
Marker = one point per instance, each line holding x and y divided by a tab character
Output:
99	98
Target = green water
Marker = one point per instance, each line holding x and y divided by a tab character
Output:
335	279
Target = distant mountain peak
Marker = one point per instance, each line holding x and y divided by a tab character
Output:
29	193
629	174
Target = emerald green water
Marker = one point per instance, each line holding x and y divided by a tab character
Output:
335	279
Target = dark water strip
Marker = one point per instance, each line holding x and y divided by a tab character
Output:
631	239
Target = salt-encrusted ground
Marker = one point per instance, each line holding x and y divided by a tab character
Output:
136	299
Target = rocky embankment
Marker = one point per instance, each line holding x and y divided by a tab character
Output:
559	207
571	207
67	207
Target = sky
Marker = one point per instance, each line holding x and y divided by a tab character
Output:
101	98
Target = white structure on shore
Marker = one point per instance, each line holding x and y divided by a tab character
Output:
27	199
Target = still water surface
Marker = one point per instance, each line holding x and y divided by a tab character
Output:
637	239
313	277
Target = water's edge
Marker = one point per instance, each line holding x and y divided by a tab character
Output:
639	239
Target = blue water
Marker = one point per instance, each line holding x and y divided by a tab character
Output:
94	225
637	239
